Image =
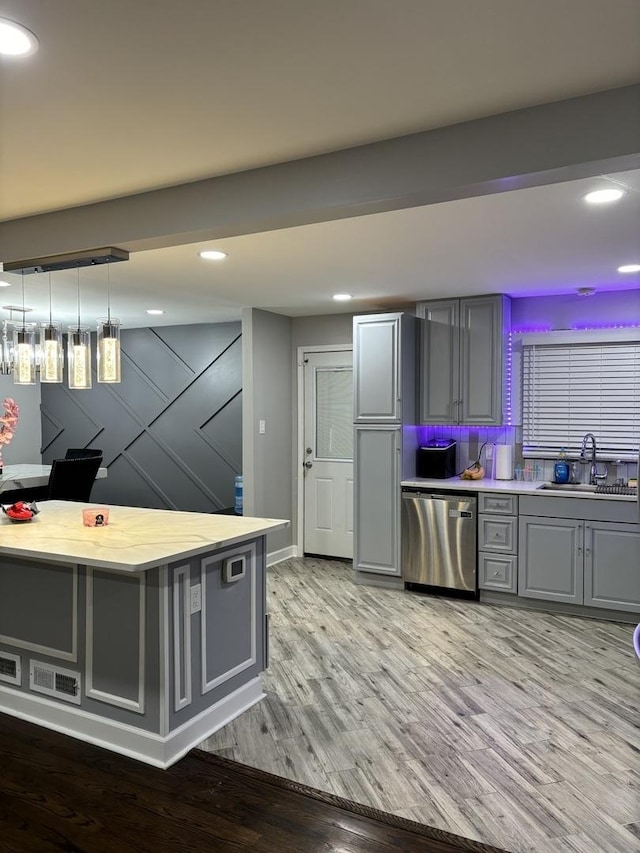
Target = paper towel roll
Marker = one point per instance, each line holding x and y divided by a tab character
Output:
504	462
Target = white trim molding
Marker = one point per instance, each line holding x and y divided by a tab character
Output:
248	550
151	748
283	554
138	704
181	582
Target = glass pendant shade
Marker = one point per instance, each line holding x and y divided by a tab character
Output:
51	353
24	356
108	359
79	358
6	352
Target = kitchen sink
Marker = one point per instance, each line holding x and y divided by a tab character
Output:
568	487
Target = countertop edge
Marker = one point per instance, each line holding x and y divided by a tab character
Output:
512	487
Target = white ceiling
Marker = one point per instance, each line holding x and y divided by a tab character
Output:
128	96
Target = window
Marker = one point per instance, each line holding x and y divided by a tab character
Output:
578	382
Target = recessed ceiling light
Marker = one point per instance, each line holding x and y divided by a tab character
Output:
342	297
213	255
624	268
155	311
16	40
5	284
603	196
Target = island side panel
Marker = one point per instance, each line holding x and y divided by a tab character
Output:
221	647
122	647
38	607
94	632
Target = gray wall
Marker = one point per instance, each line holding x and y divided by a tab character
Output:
26	443
171	431
268	373
565	311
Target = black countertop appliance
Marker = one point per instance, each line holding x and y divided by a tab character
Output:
436	459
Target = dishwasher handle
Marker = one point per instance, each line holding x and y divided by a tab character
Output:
416	494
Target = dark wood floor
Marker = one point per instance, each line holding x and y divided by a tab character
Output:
57	793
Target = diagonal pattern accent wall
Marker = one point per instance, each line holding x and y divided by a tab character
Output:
171	432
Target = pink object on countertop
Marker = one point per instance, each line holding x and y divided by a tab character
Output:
95	516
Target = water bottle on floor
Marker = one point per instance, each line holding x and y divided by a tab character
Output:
238	495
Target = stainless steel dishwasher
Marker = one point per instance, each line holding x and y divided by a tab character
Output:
439	540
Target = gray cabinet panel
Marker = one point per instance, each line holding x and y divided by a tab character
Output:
377	499
612	566
462	354
498	571
583	509
498	533
376	351
439	362
550	563
498	504
481	361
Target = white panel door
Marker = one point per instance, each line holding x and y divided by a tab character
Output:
328	456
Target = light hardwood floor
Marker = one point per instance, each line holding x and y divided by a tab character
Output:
512	727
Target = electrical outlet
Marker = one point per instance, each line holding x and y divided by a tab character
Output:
262	427
196	598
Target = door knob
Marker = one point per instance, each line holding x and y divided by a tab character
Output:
307	464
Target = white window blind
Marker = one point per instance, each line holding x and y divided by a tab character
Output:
569	389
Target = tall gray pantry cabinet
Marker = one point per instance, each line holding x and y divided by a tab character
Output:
385	439
463	353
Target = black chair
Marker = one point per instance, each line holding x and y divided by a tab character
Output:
72	479
82	452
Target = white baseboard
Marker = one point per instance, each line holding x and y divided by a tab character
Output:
283	554
148	747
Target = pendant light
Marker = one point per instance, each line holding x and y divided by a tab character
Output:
79	353
108	350
24	351
51	353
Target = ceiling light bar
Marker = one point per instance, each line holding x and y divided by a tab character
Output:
71	260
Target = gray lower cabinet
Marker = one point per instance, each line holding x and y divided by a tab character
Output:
498	571
594	563
377	467
612	565
550	559
498	542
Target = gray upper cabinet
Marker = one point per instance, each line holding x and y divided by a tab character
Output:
384	368
463	345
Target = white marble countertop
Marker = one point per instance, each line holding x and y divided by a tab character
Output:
513	487
134	540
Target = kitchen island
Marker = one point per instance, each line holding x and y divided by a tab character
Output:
143	636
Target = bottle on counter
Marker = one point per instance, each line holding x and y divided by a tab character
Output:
238	495
561	468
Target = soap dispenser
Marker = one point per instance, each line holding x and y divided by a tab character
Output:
561	468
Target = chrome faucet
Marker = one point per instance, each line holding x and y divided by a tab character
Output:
593	469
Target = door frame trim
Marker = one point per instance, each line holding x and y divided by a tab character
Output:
301	354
